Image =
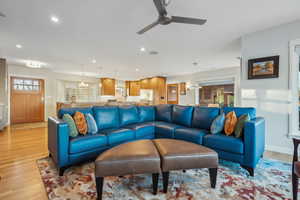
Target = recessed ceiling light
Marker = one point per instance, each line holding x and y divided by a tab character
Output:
94	61
19	46
54	19
143	49
137	69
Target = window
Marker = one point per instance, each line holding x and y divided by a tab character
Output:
26	84
294	89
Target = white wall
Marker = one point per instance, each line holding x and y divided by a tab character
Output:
51	84
270	96
232	73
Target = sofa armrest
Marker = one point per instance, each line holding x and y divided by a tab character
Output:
254	140
58	141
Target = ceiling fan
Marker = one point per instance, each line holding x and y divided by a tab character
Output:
165	19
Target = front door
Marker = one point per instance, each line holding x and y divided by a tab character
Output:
172	93
27	100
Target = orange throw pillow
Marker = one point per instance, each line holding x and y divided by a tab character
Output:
80	123
230	123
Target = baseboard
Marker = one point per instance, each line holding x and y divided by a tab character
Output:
280	149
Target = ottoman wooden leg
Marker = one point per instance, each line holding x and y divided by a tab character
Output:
155	183
213	176
99	187
166	181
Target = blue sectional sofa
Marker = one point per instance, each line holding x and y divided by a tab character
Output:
123	124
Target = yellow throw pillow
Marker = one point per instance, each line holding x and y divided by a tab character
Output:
230	123
80	123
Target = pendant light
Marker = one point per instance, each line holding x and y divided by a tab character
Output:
82	84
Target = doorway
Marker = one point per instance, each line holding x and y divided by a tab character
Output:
27	100
172	91
217	95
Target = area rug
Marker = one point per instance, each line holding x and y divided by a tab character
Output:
272	181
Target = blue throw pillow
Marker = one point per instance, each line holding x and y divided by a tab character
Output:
92	125
217	125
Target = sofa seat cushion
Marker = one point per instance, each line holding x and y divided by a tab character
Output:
190	134
165	129
224	143
118	136
87	143
143	130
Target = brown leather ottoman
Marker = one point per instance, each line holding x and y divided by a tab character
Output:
181	155
139	157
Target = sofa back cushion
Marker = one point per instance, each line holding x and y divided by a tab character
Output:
128	115
239	111
182	115
72	111
204	116
163	113
106	117
146	113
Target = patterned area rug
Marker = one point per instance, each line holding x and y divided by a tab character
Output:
272	181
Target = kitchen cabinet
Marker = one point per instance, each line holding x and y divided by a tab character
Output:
182	88
108	86
157	84
134	88
145	84
159	87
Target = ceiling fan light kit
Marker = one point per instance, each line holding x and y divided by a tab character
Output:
165	19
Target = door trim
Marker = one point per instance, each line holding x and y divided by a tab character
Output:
177	94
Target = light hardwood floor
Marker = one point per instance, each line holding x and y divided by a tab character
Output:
19	150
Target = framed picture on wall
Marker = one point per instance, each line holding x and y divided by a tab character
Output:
261	68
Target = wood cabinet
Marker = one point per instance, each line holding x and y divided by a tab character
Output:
158	84
134	88
108	86
145	83
182	88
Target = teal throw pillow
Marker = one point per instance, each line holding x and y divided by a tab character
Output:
72	127
239	128
217	125
92	125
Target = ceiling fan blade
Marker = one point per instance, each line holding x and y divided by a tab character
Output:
2	15
160	7
147	28
187	20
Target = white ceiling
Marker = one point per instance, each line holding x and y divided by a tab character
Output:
106	30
